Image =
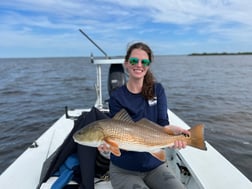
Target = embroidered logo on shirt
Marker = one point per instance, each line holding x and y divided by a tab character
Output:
153	101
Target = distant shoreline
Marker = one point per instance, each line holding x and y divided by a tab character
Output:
223	53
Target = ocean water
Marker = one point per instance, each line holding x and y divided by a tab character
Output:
214	90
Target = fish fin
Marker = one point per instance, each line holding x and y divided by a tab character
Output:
159	155
123	115
114	148
197	137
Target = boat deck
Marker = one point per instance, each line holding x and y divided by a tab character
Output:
202	169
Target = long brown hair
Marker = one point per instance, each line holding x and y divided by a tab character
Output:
148	82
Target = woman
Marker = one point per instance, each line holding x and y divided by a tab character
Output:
141	97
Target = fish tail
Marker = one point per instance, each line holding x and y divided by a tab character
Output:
197	137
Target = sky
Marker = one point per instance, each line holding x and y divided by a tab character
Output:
50	28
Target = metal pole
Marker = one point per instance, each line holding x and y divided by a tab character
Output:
93	43
98	70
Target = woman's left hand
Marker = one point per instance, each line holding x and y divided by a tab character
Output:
178	144
175	130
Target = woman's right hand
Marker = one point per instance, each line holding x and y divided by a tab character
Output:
104	148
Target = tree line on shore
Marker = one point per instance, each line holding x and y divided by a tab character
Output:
223	53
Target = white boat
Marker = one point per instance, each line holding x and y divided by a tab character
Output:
195	168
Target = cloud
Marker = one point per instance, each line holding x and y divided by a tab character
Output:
114	23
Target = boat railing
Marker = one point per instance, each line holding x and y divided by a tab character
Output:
99	62
98	86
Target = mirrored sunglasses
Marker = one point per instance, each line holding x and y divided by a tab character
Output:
134	61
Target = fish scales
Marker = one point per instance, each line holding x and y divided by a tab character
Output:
142	136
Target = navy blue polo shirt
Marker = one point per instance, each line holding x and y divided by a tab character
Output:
138	108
